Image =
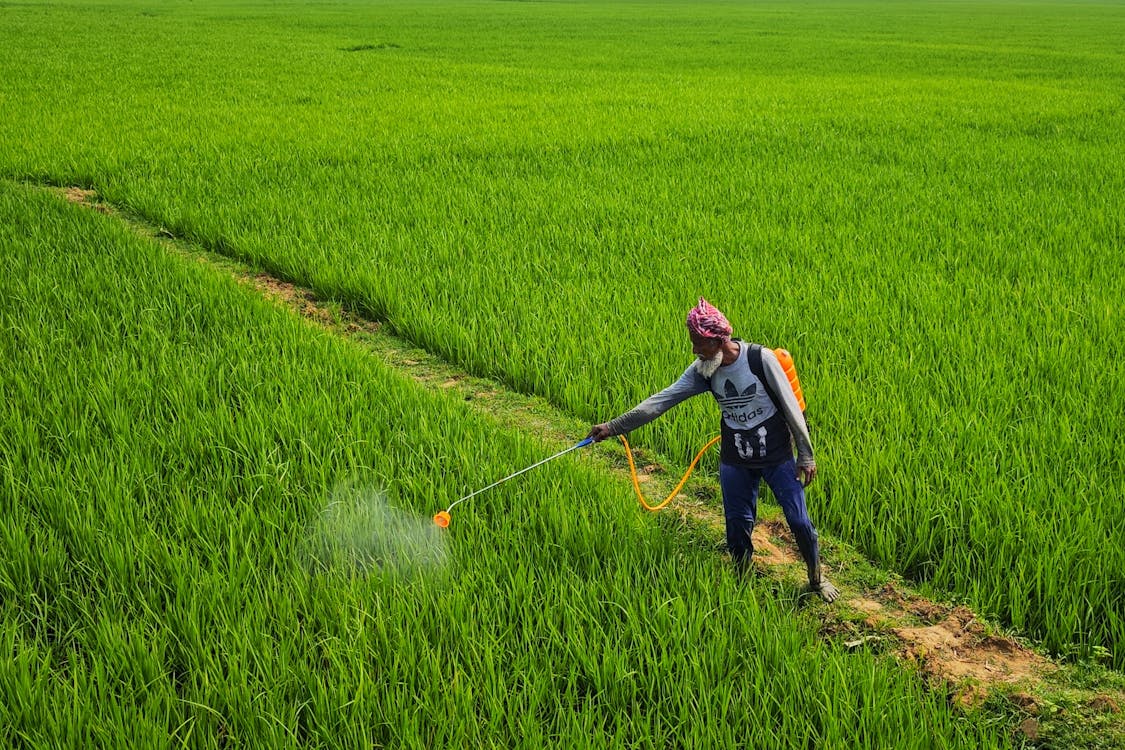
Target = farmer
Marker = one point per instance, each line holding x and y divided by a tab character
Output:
761	422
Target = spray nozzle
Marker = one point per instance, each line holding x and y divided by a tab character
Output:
442	518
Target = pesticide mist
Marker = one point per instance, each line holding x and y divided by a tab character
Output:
360	532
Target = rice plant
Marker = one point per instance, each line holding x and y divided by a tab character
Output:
175	452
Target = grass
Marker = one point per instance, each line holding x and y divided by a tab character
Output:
185	473
921	201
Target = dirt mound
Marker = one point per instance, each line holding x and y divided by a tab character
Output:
770	554
958	649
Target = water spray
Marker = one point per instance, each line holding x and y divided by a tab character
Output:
442	518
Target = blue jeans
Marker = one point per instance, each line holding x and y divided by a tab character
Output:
740	506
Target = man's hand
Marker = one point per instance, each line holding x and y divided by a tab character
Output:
806	474
600	432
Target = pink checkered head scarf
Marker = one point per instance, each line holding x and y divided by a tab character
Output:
705	320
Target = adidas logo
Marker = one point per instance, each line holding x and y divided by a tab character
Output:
732	397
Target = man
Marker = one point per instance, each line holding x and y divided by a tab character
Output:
761	422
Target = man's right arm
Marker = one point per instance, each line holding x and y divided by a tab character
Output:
691	383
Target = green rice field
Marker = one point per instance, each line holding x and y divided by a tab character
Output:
214	516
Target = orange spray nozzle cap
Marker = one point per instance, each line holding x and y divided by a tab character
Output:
442	518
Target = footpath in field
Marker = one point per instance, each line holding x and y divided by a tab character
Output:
1054	703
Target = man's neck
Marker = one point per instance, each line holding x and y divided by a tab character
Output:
730	352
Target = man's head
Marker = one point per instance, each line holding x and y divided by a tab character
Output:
710	331
705	320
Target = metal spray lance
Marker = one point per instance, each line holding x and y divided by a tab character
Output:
442	517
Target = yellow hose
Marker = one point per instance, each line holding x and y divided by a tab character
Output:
637	484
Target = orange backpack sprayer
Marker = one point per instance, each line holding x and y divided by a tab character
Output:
786	360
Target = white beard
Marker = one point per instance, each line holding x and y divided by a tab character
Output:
707	367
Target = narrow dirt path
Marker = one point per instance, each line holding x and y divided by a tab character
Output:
975	663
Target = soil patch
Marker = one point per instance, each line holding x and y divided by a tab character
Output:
770	554
958	649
